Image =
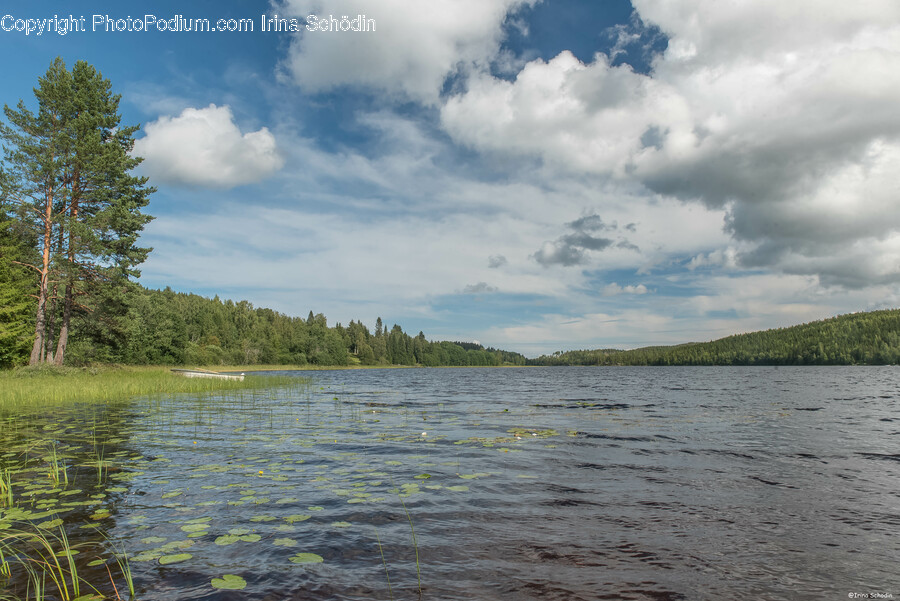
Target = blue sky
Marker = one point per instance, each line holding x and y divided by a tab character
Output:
537	175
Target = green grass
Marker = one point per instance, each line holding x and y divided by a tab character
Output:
29	389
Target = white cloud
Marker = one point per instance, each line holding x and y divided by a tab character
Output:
781	113
416	45
613	289
204	148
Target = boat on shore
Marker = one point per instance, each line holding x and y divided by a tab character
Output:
203	373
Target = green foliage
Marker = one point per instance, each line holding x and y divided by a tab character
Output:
16	306
65	179
871	338
161	327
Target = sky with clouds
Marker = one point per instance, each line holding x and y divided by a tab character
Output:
537	175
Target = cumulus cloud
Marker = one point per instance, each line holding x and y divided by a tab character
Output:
613	289
496	261
571	249
479	288
204	148
415	48
782	114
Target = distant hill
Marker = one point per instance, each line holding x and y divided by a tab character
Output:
868	338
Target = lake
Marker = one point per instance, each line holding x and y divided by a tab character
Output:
517	483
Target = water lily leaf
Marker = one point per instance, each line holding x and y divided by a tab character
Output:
299	517
307	558
227	539
167	559
50	524
285	542
195	528
459	488
239	531
341	524
152	540
229	582
423	477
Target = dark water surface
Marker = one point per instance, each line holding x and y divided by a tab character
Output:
534	483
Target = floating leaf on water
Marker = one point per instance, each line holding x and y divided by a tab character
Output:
316	508
239	531
251	538
341	524
152	540
195	528
262	518
229	582
423	477
286	500
148	556
227	539
96	562
173	494
307	558
298	517
50	524
285	542
167	559
459	488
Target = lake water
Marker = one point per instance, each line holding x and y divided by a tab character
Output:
531	483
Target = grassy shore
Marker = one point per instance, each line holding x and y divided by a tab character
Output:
36	388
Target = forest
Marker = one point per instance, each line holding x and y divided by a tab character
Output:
867	338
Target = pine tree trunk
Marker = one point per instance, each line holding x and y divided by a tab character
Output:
70	255
64	330
37	351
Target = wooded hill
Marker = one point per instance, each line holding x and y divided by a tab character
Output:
870	338
163	327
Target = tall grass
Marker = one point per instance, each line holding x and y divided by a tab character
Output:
27	389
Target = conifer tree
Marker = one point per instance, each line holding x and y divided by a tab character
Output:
67	170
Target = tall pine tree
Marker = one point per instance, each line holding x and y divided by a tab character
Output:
67	170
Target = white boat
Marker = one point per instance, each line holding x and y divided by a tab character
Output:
202	373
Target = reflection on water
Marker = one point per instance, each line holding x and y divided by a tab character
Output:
534	483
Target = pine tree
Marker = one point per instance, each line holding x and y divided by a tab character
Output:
67	169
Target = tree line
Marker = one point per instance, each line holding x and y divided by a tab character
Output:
164	327
867	338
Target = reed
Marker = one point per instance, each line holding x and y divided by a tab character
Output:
384	563
415	544
47	560
41	388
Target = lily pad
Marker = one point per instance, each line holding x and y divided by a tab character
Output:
167	559
299	517
229	582
307	558
285	542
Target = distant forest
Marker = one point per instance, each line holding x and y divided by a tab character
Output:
163	327
871	338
